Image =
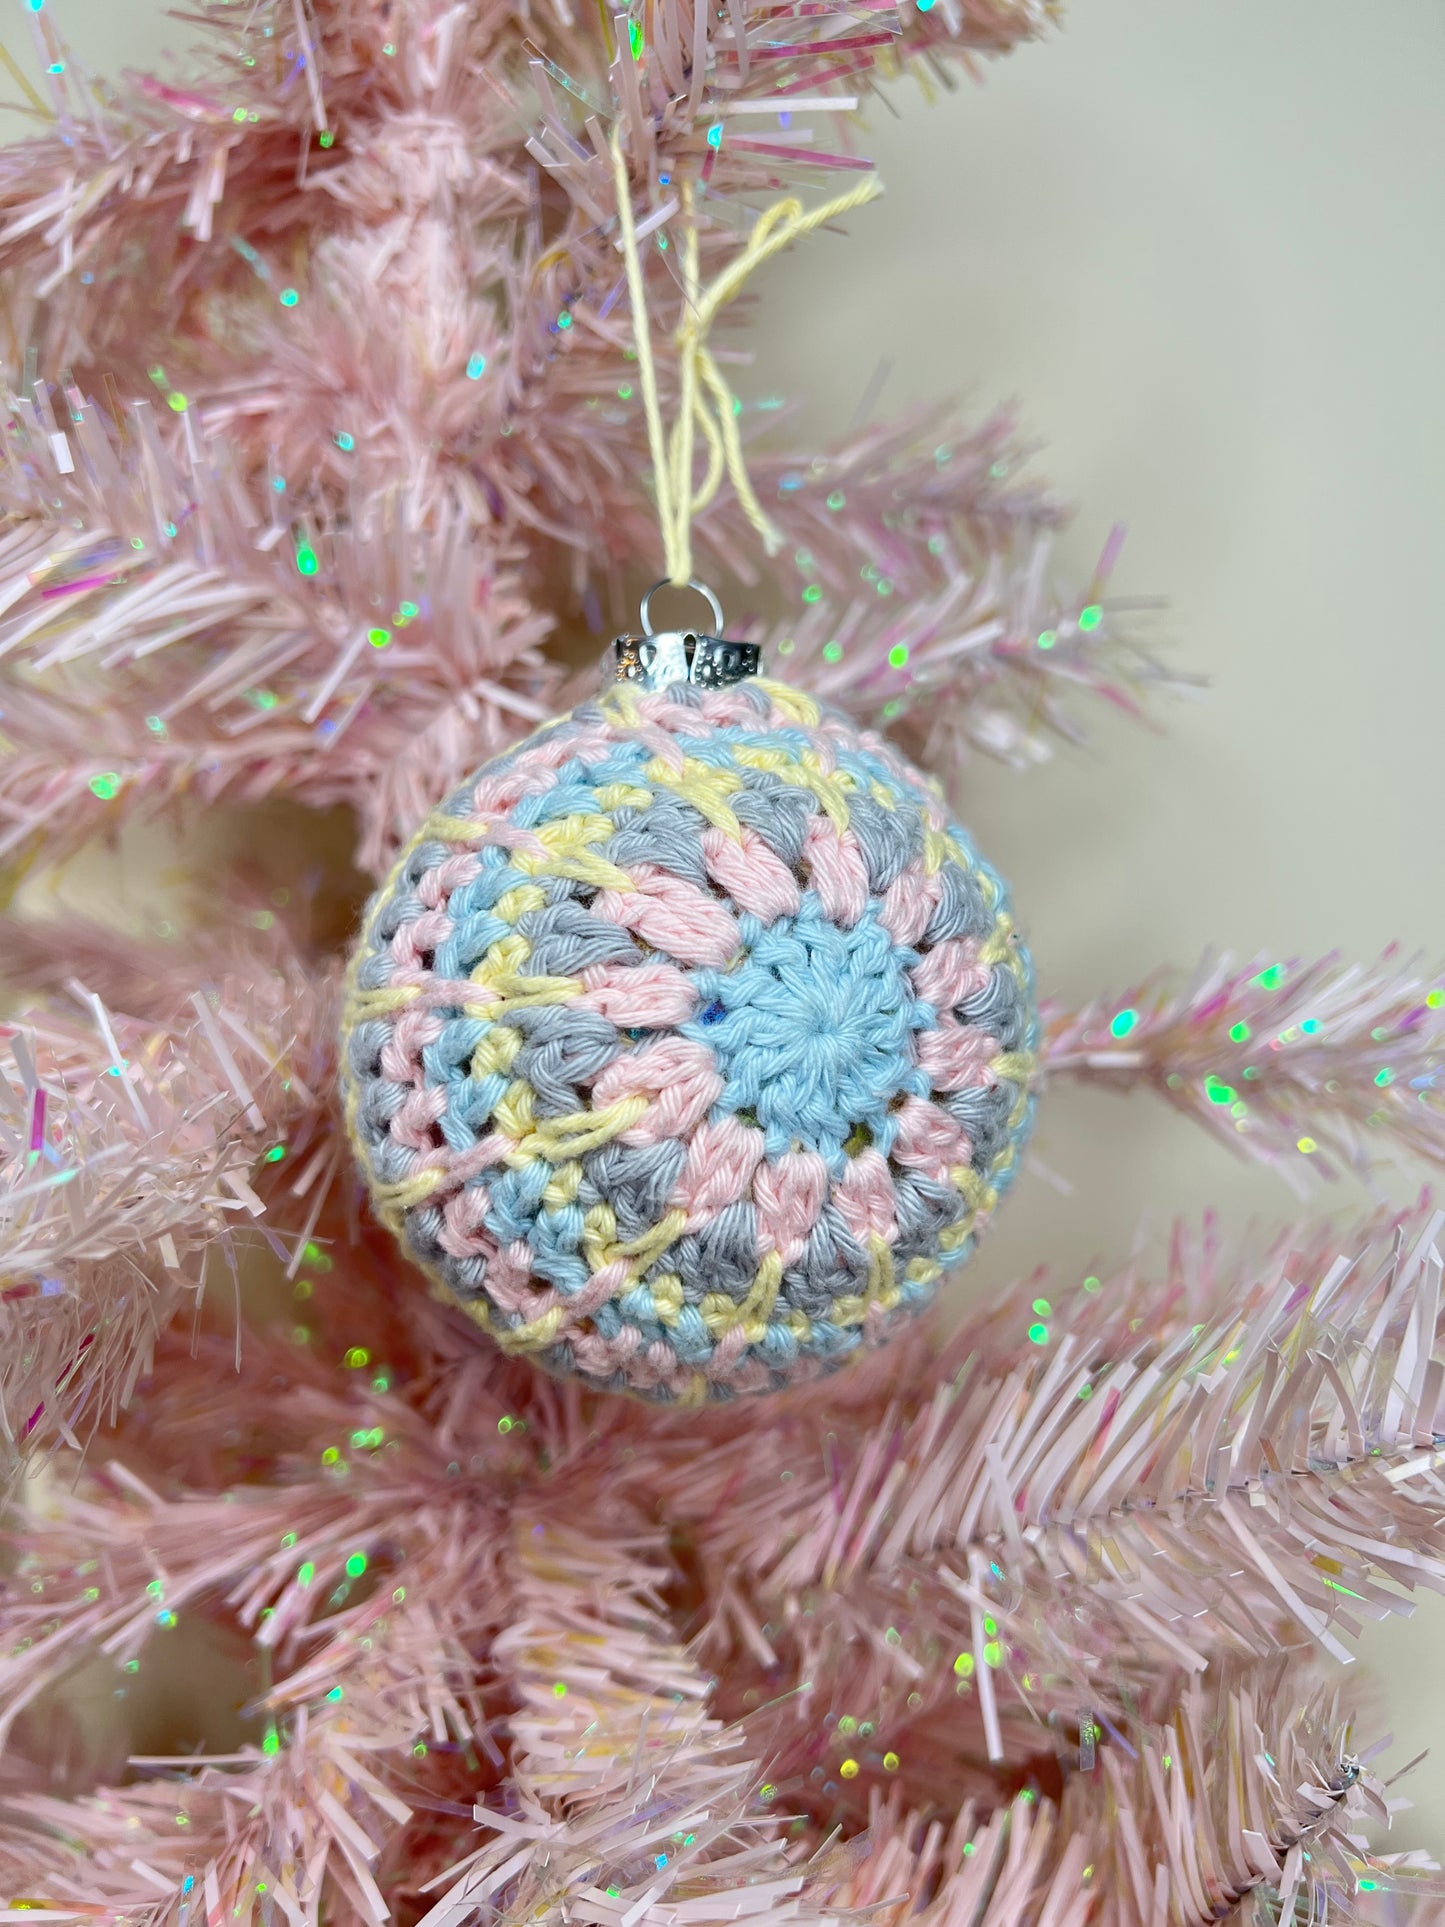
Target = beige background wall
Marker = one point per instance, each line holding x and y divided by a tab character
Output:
1201	241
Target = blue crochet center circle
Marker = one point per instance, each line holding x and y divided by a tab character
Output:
812	1031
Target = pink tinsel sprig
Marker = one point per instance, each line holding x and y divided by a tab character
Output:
170	648
1308	1066
1135	1485
134	1146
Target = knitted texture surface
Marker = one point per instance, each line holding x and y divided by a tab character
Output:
689	1042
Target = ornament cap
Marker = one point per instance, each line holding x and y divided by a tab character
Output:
657	658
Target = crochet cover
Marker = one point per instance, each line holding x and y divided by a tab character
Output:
689	1042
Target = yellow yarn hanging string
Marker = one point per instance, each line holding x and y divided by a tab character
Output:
705	402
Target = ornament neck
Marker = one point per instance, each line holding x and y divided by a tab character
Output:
657	658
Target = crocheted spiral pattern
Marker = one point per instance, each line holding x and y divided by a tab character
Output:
689	1042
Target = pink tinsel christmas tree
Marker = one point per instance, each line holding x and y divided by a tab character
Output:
322	462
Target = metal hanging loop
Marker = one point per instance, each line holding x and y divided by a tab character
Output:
698	588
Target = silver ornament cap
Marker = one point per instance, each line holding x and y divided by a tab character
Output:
657	658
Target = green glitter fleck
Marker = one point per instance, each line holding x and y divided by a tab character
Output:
1240	1033
898	654
1038	1334
1091	617
1124	1023
106	785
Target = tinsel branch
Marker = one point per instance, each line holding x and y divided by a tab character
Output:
366	1675
1308	1066
304	1828
168	648
1014	1863
625	1796
1255	1453
1245	1791
133	1146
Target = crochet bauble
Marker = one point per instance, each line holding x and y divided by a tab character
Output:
689	1043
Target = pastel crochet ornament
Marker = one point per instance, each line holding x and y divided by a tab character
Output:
690	1042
